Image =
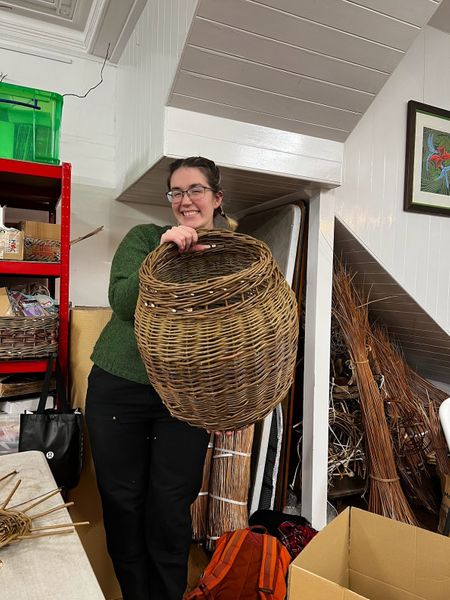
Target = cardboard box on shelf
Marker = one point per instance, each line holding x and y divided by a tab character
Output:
86	324
5	304
11	244
362	556
40	230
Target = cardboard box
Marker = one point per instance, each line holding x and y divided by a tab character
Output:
5	304
86	324
41	231
11	244
360	555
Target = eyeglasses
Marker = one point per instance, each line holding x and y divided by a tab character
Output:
197	192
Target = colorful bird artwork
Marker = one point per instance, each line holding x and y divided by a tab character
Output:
436	162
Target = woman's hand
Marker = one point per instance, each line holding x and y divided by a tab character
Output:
184	237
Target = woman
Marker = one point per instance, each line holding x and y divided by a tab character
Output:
148	464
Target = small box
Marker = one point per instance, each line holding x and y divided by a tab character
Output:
16	407
362	556
5	304
42	231
9	433
36	249
11	244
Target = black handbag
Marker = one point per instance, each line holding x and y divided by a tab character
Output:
58	433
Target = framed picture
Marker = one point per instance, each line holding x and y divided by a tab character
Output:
427	168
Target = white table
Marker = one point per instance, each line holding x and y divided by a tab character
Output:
47	568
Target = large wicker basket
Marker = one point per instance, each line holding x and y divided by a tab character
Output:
28	337
217	330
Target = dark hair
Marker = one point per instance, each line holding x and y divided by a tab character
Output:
212	173
209	169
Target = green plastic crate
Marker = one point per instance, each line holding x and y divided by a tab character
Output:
30	123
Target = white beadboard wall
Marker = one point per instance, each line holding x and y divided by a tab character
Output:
414	248
146	70
88	143
87	129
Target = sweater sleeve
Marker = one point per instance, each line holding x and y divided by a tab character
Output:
124	280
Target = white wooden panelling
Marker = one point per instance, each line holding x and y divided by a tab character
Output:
413	248
296	59
260	137
257	150
146	70
252	116
424	343
317	359
416	13
307	67
87	126
288	28
354	19
238	70
243	96
257	163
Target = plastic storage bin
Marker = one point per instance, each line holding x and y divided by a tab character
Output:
30	122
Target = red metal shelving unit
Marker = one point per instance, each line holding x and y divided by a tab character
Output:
40	187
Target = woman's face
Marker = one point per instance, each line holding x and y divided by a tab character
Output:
196	211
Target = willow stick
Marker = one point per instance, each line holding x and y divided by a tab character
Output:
386	496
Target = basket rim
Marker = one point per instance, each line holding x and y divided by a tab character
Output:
159	252
29	318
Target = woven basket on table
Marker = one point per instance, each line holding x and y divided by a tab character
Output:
28	337
217	330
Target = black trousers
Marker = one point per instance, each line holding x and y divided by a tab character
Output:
149	470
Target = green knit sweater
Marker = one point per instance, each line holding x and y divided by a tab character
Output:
116	349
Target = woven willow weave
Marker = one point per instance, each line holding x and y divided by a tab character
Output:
28	337
217	330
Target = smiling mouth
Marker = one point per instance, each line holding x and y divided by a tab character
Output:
190	213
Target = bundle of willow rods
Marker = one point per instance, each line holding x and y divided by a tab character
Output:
229	484
407	419
425	391
430	397
386	496
199	508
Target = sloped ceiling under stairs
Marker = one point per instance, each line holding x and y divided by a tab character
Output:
425	345
295	65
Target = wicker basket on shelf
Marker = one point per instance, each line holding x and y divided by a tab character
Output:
217	330
28	337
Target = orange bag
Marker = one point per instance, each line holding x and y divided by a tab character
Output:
246	565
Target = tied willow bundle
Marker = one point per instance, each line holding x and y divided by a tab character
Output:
386	496
199	508
431	398
229	484
407	419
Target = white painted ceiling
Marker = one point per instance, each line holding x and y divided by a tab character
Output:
311	67
70	26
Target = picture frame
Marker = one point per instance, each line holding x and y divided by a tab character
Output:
427	165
